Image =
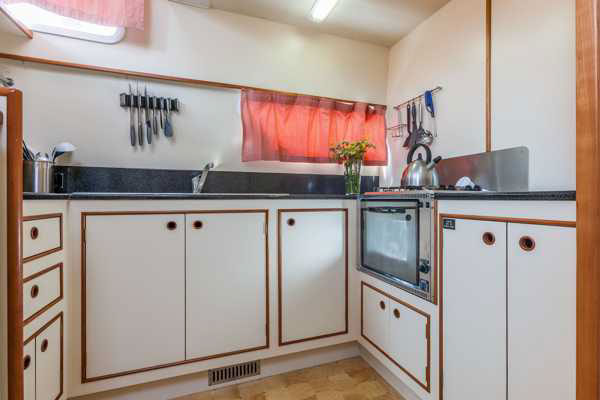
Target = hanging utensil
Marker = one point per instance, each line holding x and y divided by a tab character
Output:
423	136
154	118
139	116
147	111
413	117
408	126
131	118
168	125
431	109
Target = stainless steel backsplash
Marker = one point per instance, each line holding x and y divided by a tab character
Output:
502	170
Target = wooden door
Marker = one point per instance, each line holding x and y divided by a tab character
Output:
473	272
226	283
375	317
49	362
134	293
313	274
541	312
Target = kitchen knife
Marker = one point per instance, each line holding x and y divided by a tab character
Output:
168	125
131	118
148	123
140	126
154	118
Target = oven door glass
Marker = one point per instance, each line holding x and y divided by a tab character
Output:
390	239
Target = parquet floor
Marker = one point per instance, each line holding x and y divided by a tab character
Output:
351	379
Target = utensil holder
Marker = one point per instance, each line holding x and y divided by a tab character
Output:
38	176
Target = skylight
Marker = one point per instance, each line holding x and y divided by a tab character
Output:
40	20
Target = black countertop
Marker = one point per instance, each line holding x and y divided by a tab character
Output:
539	196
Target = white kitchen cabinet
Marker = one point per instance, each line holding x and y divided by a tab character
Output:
29	370
48	362
42	235
541	312
409	341
375	317
226	283
473	273
399	331
313	274
41	291
134	292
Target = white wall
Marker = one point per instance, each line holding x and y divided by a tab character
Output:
533	82
82	107
533	86
448	50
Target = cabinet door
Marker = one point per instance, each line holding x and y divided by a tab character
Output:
409	341
48	362
226	285
473	273
313	274
134	292
29	370
541	312
375	317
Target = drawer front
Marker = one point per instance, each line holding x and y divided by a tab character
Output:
29	371
42	235
41	291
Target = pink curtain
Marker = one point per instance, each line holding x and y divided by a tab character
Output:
123	13
294	128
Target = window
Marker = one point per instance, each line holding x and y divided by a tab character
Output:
40	20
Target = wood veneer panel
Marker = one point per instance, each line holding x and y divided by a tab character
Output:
588	201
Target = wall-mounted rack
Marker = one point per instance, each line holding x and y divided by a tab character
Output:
435	90
154	103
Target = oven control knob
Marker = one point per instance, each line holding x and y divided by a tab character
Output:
424	267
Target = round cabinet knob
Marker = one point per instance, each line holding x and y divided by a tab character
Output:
171	225
291	221
489	238
34	233
382	305
26	362
197	224
44	345
527	243
396	313
35	290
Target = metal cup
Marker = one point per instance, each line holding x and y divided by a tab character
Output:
38	176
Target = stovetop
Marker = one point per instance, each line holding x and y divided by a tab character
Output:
441	188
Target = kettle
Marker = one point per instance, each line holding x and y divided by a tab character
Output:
419	172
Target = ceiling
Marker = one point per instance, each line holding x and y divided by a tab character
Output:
381	22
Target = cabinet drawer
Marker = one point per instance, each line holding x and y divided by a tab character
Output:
43	377
42	235
41	291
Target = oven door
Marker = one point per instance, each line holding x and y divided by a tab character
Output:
390	238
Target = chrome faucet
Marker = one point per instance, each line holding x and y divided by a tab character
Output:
199	180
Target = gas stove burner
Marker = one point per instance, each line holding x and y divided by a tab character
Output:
452	188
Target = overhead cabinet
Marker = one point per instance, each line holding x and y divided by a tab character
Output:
313	274
508	310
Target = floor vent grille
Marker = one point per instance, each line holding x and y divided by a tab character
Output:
233	372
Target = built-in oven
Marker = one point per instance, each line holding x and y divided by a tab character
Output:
396	241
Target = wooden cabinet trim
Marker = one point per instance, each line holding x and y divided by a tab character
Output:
50	251
427	384
39	332
53	302
84	215
280	213
530	221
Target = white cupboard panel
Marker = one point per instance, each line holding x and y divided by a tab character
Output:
48	362
226	283
29	370
312	274
41	236
474	311
541	312
375	317
41	291
409	341
134	277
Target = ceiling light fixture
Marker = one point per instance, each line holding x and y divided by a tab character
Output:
321	9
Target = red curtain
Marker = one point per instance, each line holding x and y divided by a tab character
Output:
124	13
298	128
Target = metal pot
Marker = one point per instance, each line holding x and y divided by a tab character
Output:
38	176
421	173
